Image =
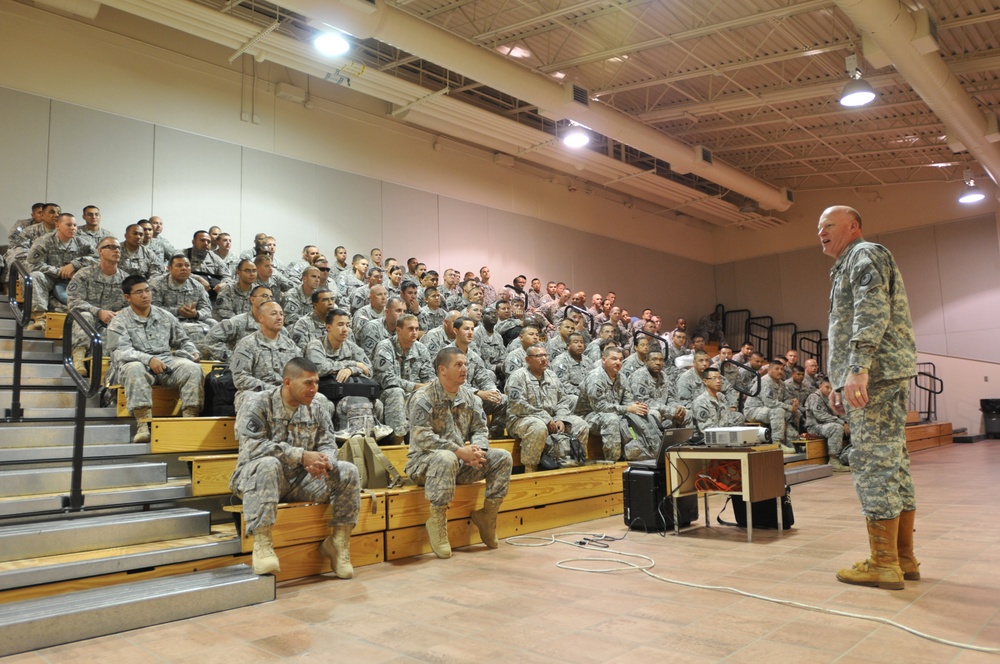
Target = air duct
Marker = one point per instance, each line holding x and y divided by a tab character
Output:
904	41
426	41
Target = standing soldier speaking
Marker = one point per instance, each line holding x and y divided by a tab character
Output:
872	358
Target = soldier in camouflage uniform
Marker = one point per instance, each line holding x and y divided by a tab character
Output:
185	298
771	406
21	237
796	388
379	329
506	320
53	260
377	298
137	258
224	250
811	378
16	234
222	338
288	453
480	378
650	386
313	326
605	335
351	280
822	421
259	359
538	406
690	383
556	346
637	360
359	298
872	359
515	356
234	296
268	276
96	292
439	337
708	410
206	266
443	416
298	301
489	344
147	347
571	367
432	314
335	354
604	400
402	366
91	232
158	242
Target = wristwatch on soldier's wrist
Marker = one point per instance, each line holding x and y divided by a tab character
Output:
856	369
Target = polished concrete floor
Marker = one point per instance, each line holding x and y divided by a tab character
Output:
514	604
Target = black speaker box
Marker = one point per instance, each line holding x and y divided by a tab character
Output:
646	505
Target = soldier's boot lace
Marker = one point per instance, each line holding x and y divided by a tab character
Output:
437	531
142	428
881	568
904	546
337	547
79	360
265	560
486	520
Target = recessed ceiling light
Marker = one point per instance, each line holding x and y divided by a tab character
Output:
514	51
558	74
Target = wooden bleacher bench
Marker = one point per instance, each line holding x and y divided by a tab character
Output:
815	450
166	400
54	322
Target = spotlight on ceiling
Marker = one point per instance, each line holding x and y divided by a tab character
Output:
858	91
331	44
971	193
575	136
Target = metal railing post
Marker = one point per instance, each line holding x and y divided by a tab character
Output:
22	316
84	390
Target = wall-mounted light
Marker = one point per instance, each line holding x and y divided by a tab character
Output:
331	44
971	193
858	91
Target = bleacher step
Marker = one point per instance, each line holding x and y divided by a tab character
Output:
65	452
32	435
97	499
46	398
50	621
28	380
222	541
34	481
68	413
50	538
29	346
801	474
8	328
49	356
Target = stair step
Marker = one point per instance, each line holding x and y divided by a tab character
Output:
32	435
222	541
8	327
35	481
28	380
50	356
54	503
65	452
50	621
68	413
801	474
29	346
35	540
31	369
46	398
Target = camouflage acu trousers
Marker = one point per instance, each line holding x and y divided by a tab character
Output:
80	339
608	427
775	418
534	431
137	381
439	472
834	434
43	286
394	402
879	461
267	482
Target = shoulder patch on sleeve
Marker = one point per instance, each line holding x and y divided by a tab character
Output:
254	423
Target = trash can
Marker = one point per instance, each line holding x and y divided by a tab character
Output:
991	416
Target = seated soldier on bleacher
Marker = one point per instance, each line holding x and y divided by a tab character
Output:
709	410
605	335
222	338
259	359
335	354
689	383
234	296
650	386
96	292
268	275
489	344
288	453
147	347
53	260
359	298
796	388
313	325
822	421
538	406
604	400
572	367
206	267
480	378
381	328
378	296
138	258
184	297
445	415
298	301
770	406
402	366
525	340
637	360
438	337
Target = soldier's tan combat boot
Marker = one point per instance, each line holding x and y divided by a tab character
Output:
79	360
142	430
265	560
881	569
904	546
37	321
191	411
486	520
337	547
437	531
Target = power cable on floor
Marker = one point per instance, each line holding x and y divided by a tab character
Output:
583	540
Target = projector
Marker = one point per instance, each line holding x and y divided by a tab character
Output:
736	436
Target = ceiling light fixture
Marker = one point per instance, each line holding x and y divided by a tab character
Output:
514	51
971	193
858	91
575	136
331	44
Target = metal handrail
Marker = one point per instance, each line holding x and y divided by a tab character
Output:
84	390
810	342
744	367
21	317
573	307
762	340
